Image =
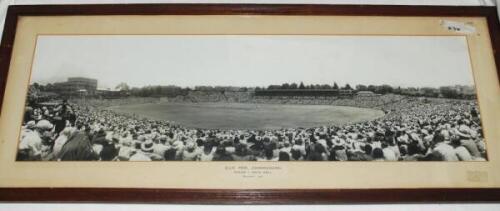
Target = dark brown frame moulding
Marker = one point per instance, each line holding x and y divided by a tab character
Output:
232	196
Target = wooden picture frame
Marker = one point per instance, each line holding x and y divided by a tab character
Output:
241	196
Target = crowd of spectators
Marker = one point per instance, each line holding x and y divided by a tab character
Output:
413	129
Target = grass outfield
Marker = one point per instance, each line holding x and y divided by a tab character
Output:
249	116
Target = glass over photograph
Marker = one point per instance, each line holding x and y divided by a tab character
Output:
251	98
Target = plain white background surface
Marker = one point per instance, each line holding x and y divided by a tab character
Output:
141	207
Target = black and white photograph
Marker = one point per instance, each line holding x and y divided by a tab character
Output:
251	98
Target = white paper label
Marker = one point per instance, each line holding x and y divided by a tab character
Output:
458	27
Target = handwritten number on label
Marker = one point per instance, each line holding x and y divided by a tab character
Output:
453	28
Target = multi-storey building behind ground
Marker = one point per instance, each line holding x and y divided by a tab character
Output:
76	86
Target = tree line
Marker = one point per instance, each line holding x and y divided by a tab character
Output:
301	85
457	92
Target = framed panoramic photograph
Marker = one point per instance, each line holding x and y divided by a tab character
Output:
264	104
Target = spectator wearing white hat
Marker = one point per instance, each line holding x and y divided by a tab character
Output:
446	151
31	141
190	153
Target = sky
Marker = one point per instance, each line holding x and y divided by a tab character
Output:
253	60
